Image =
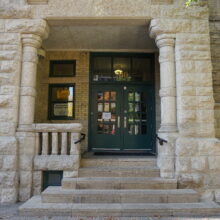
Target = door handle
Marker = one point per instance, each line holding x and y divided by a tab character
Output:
119	122
125	122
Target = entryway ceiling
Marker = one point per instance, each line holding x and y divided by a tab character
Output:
94	34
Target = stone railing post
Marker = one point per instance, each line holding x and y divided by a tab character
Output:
167	83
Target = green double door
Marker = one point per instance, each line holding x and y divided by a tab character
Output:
122	118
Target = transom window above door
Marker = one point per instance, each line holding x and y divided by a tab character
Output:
119	67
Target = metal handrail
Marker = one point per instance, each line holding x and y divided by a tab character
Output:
83	136
161	140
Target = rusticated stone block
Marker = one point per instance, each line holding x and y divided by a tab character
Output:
185	66
24	194
9	66
205	116
204	66
200	26
8	179
8	55
187	116
9	162
186	147
199	163
8	195
8	146
25	179
56	162
25	162
214	163
190	181
204	91
208	147
9	38
8	114
6	101
192	55
183	164
186	38
186	91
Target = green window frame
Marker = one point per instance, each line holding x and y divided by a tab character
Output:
61	102
67	68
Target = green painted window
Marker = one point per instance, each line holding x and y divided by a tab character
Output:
62	68
61	101
52	178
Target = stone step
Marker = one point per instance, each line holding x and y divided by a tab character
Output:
119	162
35	207
119	172
118	183
60	195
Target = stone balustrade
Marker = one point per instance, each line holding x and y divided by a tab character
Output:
57	139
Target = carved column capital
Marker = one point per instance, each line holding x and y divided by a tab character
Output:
165	40
31	40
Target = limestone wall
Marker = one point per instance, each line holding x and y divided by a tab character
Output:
10	58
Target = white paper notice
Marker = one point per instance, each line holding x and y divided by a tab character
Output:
106	115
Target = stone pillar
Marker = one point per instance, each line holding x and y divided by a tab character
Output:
167	83
30	43
26	134
168	129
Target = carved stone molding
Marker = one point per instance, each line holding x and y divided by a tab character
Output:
37	2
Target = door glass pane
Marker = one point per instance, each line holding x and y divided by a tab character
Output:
106	107
106	116
130	96
136	113
100	129
130	129
113	117
137	107
141	69
137	96
122	68
99	117
136	129
100	96
143	129
113	107
113	96
102	69
100	107
130	107
106	96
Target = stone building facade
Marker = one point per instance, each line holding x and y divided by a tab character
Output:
187	42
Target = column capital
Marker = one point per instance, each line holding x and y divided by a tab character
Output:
165	40
31	40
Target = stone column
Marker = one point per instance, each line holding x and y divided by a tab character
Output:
25	131
165	41
165	44
31	43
